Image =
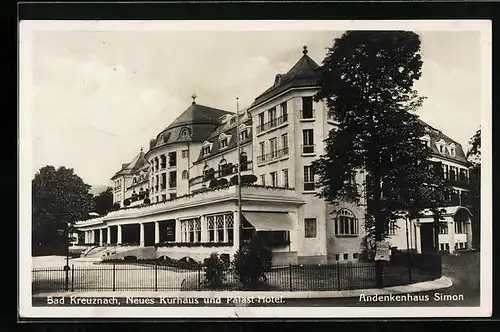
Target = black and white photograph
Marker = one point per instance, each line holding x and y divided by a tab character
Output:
258	169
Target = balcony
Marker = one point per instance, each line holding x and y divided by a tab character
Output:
308	149
273	156
273	123
307	115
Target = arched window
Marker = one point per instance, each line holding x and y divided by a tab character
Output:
346	223
185	133
185	174
222	166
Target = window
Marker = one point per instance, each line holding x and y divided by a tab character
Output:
229	223
223	143
172	159
284	112
185	154
284	143
274	179
392	227
263	179
346	223
459	227
206	150
273	143
310	227
190	223
260	126
197	229
355	255
262	148
445	171
185	133
307	141
464	198
453	173
172	179
307	108
285	178
219	227
185	174
163	198
452	152
346	257
211	228
308	178
243	132
443	228
272	117
337	257
441	148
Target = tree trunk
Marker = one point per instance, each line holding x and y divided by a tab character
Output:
379	227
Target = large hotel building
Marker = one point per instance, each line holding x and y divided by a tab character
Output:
181	197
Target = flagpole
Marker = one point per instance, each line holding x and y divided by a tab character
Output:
238	152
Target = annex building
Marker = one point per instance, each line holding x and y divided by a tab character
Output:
181	197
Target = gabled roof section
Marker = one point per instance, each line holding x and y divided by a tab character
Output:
305	73
135	165
436	136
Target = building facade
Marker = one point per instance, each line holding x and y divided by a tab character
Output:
192	195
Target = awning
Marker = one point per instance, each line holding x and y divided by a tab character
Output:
267	221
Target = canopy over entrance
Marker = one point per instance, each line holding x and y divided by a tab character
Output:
269	221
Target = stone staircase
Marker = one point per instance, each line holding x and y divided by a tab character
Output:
95	252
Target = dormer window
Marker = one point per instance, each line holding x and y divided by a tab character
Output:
224	140
206	148
233	120
185	133
277	80
243	130
426	140
441	146
452	149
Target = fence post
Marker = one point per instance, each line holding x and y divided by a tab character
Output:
199	277
114	277
156	276
338	276
290	276
66	278
349	274
73	277
410	277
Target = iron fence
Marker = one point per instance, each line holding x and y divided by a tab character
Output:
153	276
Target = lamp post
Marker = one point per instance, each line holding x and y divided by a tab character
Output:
66	267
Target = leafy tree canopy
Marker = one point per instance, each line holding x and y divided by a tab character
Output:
367	82
59	196
104	201
474	152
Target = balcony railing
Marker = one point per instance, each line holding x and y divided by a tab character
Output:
272	123
247	166
274	155
308	148
308	186
307	115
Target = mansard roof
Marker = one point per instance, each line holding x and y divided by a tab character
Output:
195	124
436	136
132	167
305	73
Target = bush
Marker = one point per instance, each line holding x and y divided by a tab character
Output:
126	202
147	201
115	207
251	262
245	179
214	270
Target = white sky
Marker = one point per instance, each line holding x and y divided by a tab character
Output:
100	96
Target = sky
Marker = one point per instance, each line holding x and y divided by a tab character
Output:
99	96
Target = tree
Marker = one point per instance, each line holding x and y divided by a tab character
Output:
103	202
367	81
474	158
59	196
214	271
252	261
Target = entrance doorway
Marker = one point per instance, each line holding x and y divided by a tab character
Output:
427	237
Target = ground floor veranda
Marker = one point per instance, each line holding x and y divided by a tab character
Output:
202	223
